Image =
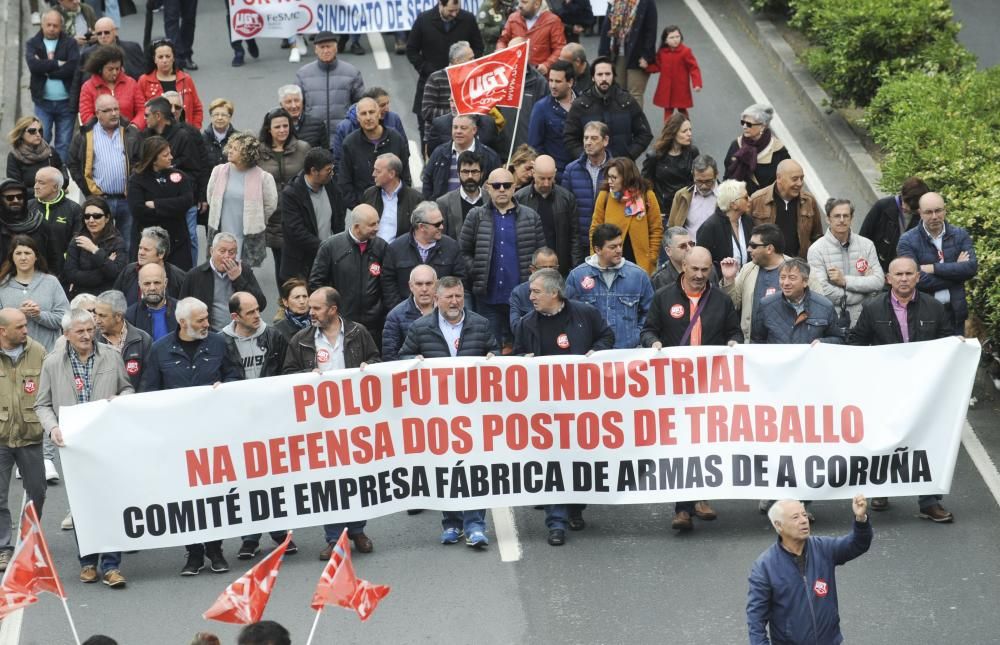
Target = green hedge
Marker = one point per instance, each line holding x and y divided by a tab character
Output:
946	129
862	43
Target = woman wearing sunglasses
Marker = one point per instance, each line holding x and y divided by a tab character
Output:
97	255
29	152
627	202
754	156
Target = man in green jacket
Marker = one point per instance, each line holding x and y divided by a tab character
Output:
20	432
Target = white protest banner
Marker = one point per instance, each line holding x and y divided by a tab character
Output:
619	427
271	18
367	16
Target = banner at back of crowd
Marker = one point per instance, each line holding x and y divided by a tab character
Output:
619	427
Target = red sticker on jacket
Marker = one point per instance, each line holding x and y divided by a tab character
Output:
677	311
563	341
79	384
322	356
587	283
769	291
30	387
821	588
861	265
132	367
375	269
176	177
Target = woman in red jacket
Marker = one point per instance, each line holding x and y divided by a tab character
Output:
678	70
165	77
107	77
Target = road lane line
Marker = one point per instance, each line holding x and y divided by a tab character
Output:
816	186
981	458
378	51
416	163
10	628
506	531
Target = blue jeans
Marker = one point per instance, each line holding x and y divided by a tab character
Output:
58	115
333	531
192	222
926	501
111	10
499	317
467	521
103	561
123	221
556	517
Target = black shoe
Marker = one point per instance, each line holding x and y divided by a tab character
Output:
415	511
238	59
194	564
252	48
557	537
218	562
357	49
190	65
292	548
248	550
576	521
285	44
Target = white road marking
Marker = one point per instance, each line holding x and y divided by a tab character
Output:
378	51
506	532
10	628
416	163
984	463
816	186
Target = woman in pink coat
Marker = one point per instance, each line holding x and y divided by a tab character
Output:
678	70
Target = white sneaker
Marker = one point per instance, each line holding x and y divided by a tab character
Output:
294	56
17	473
300	45
67	524
36	19
51	474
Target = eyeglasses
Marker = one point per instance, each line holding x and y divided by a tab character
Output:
14	198
33	130
705	182
103	33
755	245
470	171
748	124
504	185
98	215
437	224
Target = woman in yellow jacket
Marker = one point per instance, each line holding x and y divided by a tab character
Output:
627	202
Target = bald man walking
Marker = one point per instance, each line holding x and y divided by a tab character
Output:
793	208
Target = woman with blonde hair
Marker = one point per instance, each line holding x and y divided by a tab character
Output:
522	165
726	234
241	196
29	151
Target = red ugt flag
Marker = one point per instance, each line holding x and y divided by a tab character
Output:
31	569
11	601
484	83
339	586
244	600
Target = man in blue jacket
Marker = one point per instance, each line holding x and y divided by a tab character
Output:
946	257
793	586
189	357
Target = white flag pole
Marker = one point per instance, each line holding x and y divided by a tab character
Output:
517	117
312	632
72	626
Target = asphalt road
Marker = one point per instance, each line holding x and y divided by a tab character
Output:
980	21
627	577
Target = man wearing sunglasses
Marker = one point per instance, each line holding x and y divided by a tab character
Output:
498	240
677	243
757	279
14	218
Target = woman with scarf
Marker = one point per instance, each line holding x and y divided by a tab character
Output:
283	156
159	195
29	152
293	315
220	127
241	196
97	255
628	37
754	156
627	202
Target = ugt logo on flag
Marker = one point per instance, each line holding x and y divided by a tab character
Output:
494	80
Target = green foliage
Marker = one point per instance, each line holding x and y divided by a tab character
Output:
859	44
946	130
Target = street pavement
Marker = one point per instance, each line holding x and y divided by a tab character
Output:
627	577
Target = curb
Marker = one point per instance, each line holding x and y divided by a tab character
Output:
14	102
838	133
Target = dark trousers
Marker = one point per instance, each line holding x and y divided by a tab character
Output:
237	45
199	550
178	24
29	460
